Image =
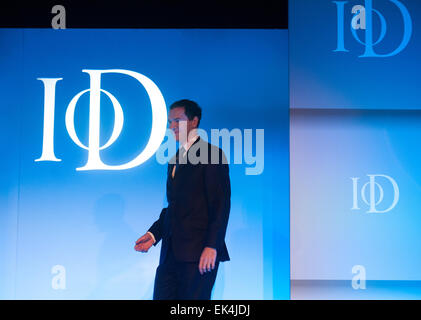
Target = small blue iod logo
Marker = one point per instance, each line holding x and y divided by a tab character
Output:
363	19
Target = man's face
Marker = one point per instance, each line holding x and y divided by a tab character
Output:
178	121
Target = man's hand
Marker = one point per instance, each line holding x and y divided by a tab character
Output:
144	243
207	260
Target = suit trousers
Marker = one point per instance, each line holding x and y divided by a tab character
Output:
179	280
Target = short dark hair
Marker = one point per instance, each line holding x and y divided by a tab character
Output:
191	109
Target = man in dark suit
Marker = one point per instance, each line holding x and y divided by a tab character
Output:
193	226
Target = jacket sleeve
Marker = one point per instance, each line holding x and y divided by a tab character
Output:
157	228
218	193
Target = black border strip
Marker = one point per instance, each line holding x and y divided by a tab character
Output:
258	14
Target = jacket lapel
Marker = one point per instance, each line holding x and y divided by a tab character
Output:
183	163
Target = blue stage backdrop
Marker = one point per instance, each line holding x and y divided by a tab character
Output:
355	174
333	64
68	233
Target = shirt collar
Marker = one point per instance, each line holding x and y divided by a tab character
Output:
193	137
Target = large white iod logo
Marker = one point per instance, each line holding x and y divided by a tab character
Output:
159	120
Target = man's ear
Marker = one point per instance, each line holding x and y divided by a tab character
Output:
195	121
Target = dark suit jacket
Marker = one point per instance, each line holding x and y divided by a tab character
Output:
198	205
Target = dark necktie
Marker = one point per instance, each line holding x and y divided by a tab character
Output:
177	160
